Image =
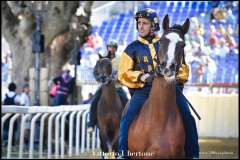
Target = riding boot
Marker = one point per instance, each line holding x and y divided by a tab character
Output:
191	138
93	109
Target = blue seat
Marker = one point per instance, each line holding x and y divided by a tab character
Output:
209	5
185	10
169	10
179	4
202	5
171	4
163	4
186	4
94	29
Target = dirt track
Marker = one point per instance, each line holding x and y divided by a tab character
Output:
209	149
219	148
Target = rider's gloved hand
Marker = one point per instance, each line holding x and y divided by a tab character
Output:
183	74
146	78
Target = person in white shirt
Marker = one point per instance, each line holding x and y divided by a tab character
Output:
24	97
25	101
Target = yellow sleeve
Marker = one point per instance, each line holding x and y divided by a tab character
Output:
183	73
126	75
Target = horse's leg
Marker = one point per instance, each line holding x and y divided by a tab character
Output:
115	148
104	146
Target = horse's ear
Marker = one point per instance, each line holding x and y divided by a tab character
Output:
165	23
186	26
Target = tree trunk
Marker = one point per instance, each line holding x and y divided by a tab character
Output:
58	42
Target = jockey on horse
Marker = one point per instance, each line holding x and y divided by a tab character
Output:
111	54
136	65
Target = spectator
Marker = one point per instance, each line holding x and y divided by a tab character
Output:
219	15
25	101
11	98
98	41
197	67
5	70
213	30
221	30
66	83
223	48
232	67
24	97
89	57
231	42
88	101
231	18
230	30
210	69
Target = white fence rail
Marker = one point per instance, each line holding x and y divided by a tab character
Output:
219	114
56	118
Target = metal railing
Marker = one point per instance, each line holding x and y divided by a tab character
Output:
55	117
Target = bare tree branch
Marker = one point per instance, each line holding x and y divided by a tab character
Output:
58	19
9	21
17	7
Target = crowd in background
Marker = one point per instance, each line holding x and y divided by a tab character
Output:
211	46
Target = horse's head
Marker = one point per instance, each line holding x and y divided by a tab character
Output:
171	51
104	70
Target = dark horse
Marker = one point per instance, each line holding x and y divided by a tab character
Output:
109	107
158	131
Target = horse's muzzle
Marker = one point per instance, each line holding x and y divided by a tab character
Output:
168	72
103	79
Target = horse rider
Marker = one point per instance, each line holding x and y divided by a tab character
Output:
111	54
134	71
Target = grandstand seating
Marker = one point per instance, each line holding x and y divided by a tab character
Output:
121	27
177	11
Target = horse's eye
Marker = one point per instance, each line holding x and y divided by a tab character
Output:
172	66
164	64
181	44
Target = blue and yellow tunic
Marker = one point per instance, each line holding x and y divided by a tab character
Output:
137	59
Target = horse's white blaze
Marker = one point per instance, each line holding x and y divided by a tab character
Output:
174	38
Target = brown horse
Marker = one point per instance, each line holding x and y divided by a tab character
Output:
109	107
158	131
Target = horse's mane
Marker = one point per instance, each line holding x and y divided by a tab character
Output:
177	27
171	82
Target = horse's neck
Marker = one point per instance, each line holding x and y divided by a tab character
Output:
109	91
162	96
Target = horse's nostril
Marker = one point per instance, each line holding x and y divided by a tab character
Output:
103	78
166	71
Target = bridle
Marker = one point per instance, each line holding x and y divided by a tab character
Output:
103	79
158	71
